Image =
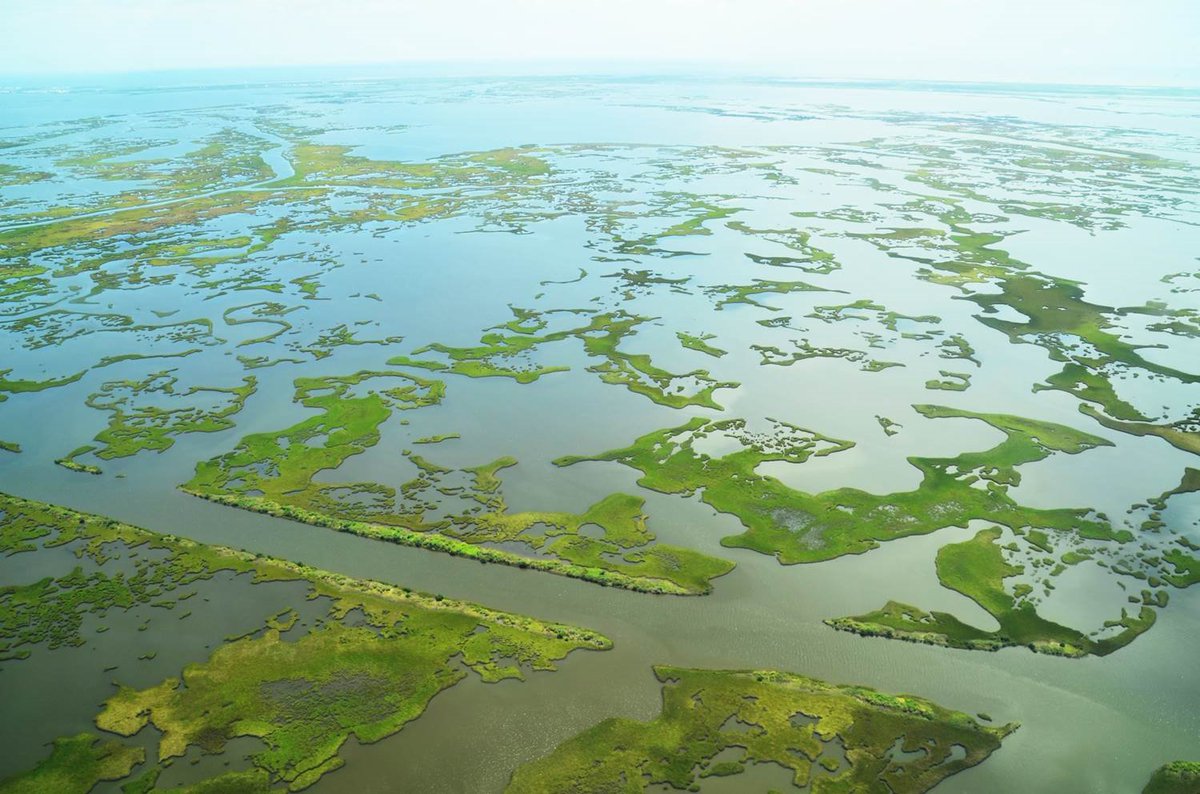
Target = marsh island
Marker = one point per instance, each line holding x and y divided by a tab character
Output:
595	434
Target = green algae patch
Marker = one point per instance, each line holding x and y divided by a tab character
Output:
75	766
830	737
304	697
1177	777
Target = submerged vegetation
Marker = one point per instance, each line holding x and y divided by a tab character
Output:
720	723
1177	777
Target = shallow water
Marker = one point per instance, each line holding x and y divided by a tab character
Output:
1092	724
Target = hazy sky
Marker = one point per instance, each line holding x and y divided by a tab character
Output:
1094	41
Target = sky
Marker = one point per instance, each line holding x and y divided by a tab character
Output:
1138	42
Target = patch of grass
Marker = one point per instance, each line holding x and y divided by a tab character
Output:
793	721
796	526
437	439
135	426
303	698
700	343
1184	434
274	473
731	294
27	386
977	569
889	427
804	350
950	381
1086	338
508	355
75	766
71	464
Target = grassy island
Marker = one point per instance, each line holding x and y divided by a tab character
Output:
302	696
274	472
721	723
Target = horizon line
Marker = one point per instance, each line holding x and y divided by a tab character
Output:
461	68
